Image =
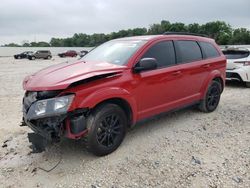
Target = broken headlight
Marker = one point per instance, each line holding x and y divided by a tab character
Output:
50	107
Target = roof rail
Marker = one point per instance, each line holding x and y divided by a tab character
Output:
184	33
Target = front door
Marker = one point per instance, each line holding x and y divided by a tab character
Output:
158	90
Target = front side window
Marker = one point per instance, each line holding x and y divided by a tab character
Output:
188	51
163	52
116	52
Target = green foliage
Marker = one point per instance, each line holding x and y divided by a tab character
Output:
11	45
240	36
222	32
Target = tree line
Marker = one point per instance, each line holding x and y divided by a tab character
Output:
222	32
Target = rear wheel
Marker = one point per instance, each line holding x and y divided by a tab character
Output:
106	129
248	84
212	98
49	57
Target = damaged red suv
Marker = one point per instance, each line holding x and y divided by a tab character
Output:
120	83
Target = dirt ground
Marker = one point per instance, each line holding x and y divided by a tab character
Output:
187	148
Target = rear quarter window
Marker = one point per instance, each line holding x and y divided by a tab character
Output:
187	51
208	50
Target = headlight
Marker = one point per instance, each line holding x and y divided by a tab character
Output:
50	107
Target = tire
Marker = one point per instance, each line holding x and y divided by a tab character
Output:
212	98
49	57
33	58
18	57
248	84
104	134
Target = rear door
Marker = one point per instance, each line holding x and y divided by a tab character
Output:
44	54
194	69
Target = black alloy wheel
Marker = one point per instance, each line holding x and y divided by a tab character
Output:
109	130
212	98
107	126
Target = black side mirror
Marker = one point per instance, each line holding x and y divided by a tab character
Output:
145	64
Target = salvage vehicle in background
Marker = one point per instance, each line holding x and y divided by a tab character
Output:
69	53
119	83
40	54
23	55
238	64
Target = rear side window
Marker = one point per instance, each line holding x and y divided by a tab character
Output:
163	52
187	51
209	50
236	54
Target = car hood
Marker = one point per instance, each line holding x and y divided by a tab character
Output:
62	75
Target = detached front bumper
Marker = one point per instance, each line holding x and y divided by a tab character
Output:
53	126
71	125
50	128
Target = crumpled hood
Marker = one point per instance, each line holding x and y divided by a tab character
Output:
60	76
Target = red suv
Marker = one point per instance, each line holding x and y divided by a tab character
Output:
118	84
69	53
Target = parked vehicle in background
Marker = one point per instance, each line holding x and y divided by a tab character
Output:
83	53
238	64
69	53
120	83
40	54
23	55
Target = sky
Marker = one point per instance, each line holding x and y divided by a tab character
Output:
40	20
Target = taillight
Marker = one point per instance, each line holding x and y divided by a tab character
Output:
245	63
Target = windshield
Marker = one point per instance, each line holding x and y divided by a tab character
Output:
116	52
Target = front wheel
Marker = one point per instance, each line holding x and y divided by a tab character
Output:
31	58
106	129
212	98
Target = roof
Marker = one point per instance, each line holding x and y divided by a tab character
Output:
151	37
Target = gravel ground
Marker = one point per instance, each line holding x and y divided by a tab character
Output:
187	148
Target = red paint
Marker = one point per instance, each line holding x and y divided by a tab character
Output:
148	93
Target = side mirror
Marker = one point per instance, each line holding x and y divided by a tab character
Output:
145	64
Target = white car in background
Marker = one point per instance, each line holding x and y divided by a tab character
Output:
238	64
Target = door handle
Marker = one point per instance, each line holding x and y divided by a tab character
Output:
205	66
176	73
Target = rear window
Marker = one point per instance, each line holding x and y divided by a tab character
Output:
188	51
209	50
236	54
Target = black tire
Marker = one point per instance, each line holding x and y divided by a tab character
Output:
18	57
49	57
212	98
107	126
248	84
